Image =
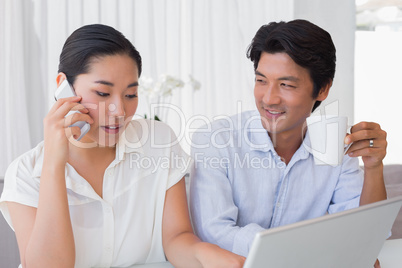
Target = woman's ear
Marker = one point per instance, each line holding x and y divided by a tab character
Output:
60	78
323	94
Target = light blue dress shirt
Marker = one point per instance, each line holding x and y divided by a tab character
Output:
239	186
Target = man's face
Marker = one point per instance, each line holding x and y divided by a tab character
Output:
283	94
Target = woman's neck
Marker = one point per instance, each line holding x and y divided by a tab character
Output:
95	154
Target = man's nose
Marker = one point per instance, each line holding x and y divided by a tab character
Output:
271	95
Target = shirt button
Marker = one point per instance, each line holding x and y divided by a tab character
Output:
110	173
108	210
108	248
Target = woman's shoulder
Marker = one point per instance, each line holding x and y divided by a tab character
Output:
147	123
149	137
145	128
28	163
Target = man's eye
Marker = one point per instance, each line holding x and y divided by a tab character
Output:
102	94
287	85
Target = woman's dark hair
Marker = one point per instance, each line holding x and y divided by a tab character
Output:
93	41
307	44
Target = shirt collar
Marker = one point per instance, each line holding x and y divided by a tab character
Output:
129	142
304	149
306	145
258	136
260	140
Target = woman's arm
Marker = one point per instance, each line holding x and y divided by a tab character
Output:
181	246
44	234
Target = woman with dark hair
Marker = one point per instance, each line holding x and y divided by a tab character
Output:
115	196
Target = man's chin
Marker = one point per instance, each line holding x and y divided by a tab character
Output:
271	127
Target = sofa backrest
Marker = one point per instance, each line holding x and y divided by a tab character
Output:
9	254
393	182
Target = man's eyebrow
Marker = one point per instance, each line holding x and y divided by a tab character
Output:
286	78
289	78
258	73
106	83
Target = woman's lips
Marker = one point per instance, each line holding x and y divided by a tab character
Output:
112	129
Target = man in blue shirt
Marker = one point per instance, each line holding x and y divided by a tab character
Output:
253	171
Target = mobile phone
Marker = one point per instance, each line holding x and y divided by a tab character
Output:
66	91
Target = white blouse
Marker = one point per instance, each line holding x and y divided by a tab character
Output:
125	226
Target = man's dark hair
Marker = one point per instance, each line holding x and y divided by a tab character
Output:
90	42
307	44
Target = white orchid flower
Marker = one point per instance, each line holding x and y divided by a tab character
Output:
168	84
196	85
146	86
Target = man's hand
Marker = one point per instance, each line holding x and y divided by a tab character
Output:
369	142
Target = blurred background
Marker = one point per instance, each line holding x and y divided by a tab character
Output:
202	45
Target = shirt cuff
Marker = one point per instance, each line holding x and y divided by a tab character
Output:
244	238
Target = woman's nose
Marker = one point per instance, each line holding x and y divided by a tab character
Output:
116	108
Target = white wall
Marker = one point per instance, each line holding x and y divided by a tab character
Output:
205	38
378	86
338	18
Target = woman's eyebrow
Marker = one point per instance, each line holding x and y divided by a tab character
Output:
135	84
106	83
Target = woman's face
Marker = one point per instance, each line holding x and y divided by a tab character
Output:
109	91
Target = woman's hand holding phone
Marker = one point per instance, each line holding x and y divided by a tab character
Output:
58	129
53	209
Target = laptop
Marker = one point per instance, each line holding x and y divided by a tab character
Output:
350	239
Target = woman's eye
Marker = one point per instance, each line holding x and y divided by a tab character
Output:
102	94
131	96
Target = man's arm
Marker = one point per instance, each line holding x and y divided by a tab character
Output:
212	199
369	142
